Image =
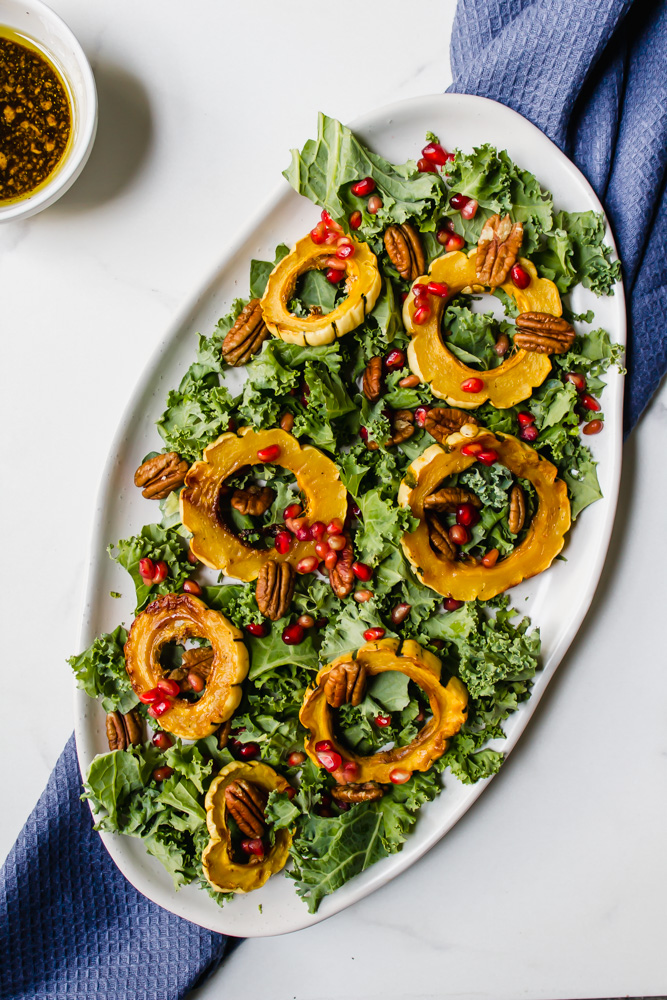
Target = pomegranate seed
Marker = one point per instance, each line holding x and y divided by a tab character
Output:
421	315
436	154
317	529
334	276
528	434
488	456
361	596
307	565
294	510
162	741
355	220
351	770
283	542
319	233
290	792
345	251
421	414
459	534
196	682
593	427
192	558
362	571
306	621
248	751
457	201
491	558
330	559
293	524
231	425
373	634
329	759
525	419
354	509
269	454
331	239
425	166
409	382
161	572
467	515
148	697
438	288
337	543
322	548
471	449
335	527
257	629
420	290
590	403
323	746
303	533
469	210
335	264
455	242
363	187
162	773
158	708
296	758
399	776
363	434
254	846
442	236
293	635
472	385
449	604
171	688
400	612
577	380
395	359
382	721
520	276
192	587
374	204
147	570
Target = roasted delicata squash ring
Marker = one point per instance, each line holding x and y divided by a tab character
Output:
448	705
362	281
213	541
430	359
464	581
174	618
222	872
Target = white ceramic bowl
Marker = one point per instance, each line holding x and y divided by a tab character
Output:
50	33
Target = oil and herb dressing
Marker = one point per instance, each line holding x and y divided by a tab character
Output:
35	117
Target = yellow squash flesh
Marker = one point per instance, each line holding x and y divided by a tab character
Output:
430	359
544	539
362	281
448	705
213	541
175	618
223	873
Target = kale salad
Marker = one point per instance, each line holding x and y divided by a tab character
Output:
321	633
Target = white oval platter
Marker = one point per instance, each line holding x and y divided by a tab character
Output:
557	600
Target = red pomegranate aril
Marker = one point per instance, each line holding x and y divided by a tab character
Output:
322	548
525	419
158	708
590	403
442	236
425	166
345	251
363	434
459	534
329	759
323	746
490	559
472	385
363	187
472	449
329	222
395	359
148	697
361	596
162	741
269	454
520	276
335	263
438	288
455	242
248	751
436	154
192	587
420	290
458	200
399	613
192	558
374	204
293	635
303	533
161	572
196	682
421	315
319	233
337	543
331	239
449	604
290	792
257	629
294	510
469	210
254	846
362	571
335	527
421	414
306	621
467	515
488	456
162	773
529	433
351	770
147	570
593	427
283	542
373	634
355	220
399	776
577	380
334	276
330	559
317	529
171	688
382	721
296	758
307	565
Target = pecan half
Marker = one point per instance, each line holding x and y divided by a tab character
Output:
543	333
497	249
160	475
404	249
275	589
372	382
442	421
341	577
517	514
246	802
255	500
223	734
439	538
402	428
448	499
345	682
124	730
246	336
367	792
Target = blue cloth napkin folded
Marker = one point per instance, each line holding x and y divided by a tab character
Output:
592	75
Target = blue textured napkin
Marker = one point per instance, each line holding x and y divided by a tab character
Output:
592	74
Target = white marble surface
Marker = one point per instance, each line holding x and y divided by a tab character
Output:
553	885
